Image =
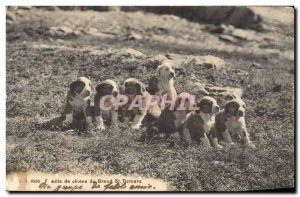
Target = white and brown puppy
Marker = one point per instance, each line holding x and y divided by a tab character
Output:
200	125
231	120
163	82
141	100
78	100
105	101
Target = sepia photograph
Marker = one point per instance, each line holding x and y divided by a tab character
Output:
150	98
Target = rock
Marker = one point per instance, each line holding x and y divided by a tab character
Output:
273	52
94	32
244	17
209	61
60	31
134	36
230	33
215	29
119	53
199	89
10	16
23	7
246	35
77	33
131	53
228	38
65	30
256	66
225	92
91	31
157	30
239	16
9	22
216	162
114	8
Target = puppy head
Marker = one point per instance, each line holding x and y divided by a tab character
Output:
108	87
235	108
134	87
82	86
165	71
207	105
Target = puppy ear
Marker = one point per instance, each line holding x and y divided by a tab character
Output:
141	89
122	88
241	113
73	86
196	106
226	108
157	73
216	109
244	105
99	87
153	85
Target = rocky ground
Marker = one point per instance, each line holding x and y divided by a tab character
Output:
46	50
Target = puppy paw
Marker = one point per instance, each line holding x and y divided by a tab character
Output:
218	146
66	123
250	145
115	127
122	125
135	127
205	143
100	128
223	143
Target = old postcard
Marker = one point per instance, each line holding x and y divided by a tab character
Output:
150	99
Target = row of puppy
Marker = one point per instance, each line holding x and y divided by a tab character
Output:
206	123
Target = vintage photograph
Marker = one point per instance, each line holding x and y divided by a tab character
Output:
150	98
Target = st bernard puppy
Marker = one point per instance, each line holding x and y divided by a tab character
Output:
163	82
140	102
200	125
172	117
78	100
231	120
105	100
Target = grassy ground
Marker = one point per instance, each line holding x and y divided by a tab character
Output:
37	80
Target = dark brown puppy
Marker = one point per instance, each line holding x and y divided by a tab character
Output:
140	102
199	126
231	120
78	100
105	100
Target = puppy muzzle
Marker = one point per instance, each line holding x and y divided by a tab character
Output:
172	75
86	93
216	109
115	93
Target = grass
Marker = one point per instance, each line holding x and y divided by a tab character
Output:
37	80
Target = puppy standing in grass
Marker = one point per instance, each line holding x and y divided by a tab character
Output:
200	125
231	120
78	101
163	82
105	101
140	99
